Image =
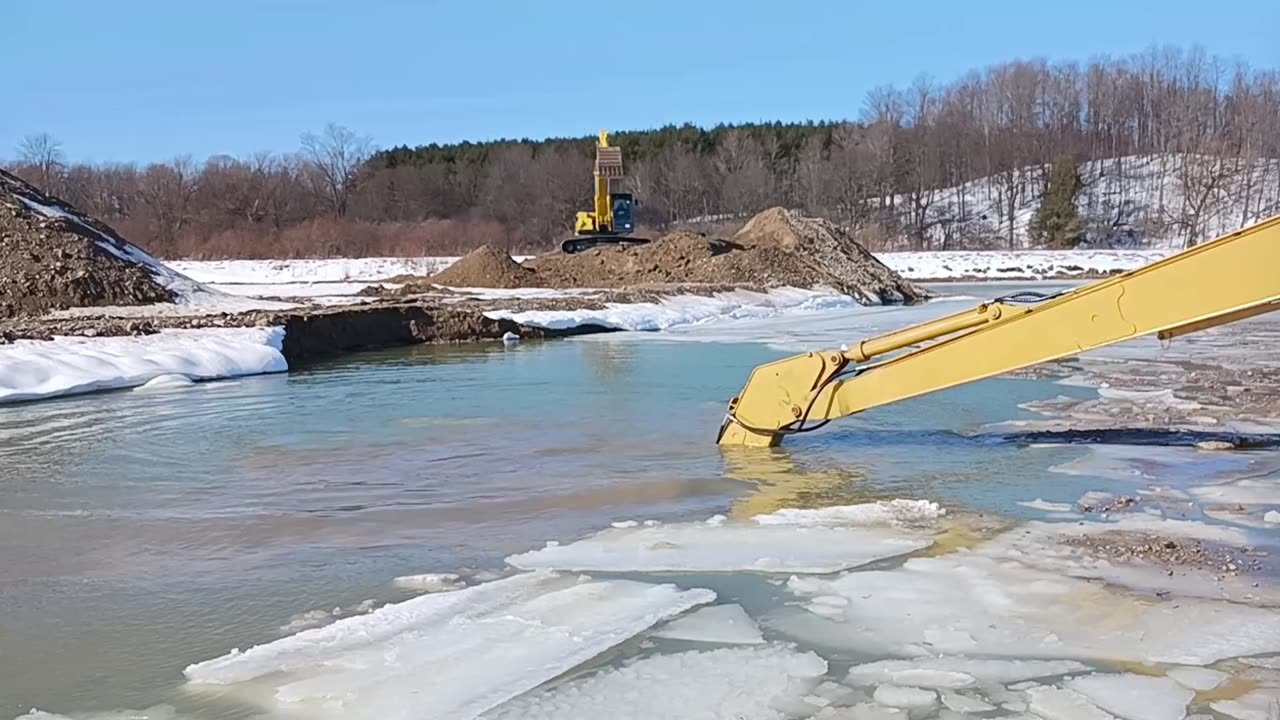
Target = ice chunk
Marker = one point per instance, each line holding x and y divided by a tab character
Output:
1135	697
964	703
727	547
995	607
745	683
1052	703
1039	504
904	697
990	670
624	524
1249	491
168	381
728	624
34	369
684	310
862	711
155	712
896	512
1056	547
1271	516
1267	661
1197	678
430	582
453	654
889	671
1261	704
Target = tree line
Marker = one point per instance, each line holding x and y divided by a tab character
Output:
1169	144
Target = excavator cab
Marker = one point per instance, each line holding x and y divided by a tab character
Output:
610	221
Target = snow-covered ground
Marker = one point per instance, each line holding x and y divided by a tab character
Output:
1017	265
1159	201
34	369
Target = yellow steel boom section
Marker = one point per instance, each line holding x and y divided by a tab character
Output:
1228	279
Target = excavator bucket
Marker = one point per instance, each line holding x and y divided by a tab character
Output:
609	161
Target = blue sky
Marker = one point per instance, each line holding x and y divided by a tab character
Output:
145	80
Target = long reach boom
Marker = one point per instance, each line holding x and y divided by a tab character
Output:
1234	277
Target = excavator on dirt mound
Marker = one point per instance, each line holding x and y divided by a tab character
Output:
1234	277
610	221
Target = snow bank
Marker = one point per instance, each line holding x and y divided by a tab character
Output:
726	624
33	369
776	543
451	655
747	683
685	310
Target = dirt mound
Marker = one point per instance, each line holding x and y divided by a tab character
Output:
486	266
825	250
775	248
53	257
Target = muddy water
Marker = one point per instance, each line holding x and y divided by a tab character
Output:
143	531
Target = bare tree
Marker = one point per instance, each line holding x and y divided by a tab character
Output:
335	157
43	153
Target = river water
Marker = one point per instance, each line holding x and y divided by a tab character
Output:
144	530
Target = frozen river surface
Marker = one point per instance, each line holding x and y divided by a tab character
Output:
145	535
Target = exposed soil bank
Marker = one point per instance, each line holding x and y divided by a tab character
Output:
321	332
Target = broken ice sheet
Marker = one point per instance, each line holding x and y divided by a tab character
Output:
453	654
727	624
1260	704
967	603
745	683
821	541
1135	697
1200	561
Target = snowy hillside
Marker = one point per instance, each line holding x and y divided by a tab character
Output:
1160	201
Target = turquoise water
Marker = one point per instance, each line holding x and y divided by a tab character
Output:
143	531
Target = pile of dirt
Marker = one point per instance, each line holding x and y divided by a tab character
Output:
53	257
486	266
826	251
776	248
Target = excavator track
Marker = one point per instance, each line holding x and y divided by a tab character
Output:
579	244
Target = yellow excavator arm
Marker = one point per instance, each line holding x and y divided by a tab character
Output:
1225	280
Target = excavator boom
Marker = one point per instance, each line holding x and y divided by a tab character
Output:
1225	280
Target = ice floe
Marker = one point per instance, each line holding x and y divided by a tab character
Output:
958	672
1197	678
1135	697
1039	504
452	654
430	582
685	310
999	608
786	542
726	624
34	369
744	683
1054	703
897	512
1260	704
904	697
